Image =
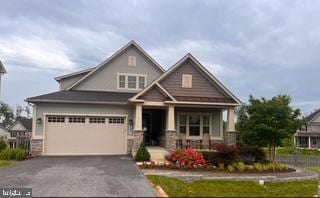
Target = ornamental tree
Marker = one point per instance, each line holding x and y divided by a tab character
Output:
266	122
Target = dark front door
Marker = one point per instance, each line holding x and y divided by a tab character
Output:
147	127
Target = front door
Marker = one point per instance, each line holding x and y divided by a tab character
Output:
147	128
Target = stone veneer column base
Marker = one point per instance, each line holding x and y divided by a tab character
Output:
36	147
137	140
231	137
171	139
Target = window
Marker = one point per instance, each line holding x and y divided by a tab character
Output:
56	119
194	125
132	61
116	120
186	80
77	120
97	120
13	134
314	141
132	82
142	81
183	124
122	81
206	124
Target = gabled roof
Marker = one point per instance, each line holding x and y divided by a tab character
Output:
104	63
85	71
85	97
2	69
313	115
25	122
197	64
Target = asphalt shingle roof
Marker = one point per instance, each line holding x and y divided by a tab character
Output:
312	115
83	97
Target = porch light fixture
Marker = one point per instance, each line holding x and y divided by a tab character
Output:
130	122
39	121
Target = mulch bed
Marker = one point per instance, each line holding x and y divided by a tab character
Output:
215	170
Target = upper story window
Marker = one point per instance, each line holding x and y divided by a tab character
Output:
186	80
132	61
131	81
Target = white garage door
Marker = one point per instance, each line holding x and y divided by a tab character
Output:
77	135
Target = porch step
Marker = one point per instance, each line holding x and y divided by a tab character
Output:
157	152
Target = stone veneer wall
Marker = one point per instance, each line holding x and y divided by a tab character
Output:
137	140
171	140
231	137
36	147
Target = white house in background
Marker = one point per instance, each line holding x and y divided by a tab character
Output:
309	138
2	72
4	133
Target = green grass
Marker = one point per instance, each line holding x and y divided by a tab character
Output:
280	151
314	168
206	188
5	163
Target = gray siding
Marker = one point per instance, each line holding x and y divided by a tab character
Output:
106	78
216	122
67	82
41	109
201	86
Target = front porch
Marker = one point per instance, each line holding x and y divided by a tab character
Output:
175	126
308	140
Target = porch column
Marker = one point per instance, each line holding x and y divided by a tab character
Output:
309	142
231	131
137	131
171	129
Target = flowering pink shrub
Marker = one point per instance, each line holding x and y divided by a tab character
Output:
189	158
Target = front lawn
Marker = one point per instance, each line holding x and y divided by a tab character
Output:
302	152
5	163
206	188
314	168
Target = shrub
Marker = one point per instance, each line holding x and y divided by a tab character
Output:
250	154
142	154
280	167
3	145
13	154
249	167
240	166
258	167
230	168
188	158
221	166
20	154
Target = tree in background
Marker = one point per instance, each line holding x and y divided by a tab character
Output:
267	122
6	114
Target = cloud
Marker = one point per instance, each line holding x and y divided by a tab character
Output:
262	47
35	52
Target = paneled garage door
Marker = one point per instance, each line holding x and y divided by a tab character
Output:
84	135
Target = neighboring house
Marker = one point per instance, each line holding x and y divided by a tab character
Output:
129	99
2	72
20	133
4	134
310	137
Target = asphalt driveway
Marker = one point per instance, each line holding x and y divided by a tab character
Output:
87	176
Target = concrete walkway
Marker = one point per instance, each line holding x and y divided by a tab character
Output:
299	174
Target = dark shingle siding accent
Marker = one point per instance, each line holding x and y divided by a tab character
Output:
83	96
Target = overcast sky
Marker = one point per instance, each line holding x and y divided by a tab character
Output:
262	48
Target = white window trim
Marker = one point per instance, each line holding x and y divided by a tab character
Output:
184	83
126	81
201	124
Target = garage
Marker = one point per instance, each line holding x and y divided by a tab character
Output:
85	135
